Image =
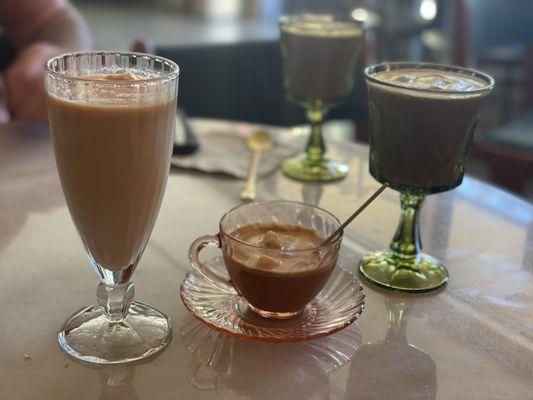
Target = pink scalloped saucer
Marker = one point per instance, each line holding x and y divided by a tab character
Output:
339	304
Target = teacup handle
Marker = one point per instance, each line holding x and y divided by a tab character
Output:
194	260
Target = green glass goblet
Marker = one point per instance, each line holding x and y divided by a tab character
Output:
422	121
319	56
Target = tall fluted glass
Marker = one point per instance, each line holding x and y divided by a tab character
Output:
112	120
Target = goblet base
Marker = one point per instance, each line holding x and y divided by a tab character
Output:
420	273
91	336
303	168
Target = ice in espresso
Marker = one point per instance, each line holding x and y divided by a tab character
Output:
278	268
422	122
112	154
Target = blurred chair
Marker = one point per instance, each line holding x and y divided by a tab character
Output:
507	166
244	81
507	151
500	28
496	35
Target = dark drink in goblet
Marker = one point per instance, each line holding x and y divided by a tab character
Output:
422	121
319	57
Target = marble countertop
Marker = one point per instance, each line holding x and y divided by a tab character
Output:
471	340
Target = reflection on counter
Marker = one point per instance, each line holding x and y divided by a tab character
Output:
117	383
312	193
392	369
495	202
38	192
229	366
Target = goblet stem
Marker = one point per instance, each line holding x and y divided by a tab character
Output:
312	166
315	147
397	329
115	299
406	243
403	266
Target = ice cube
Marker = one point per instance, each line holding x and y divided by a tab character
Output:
302	265
299	243
271	240
267	263
238	252
252	261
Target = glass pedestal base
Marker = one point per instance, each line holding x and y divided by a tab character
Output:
90	336
303	168
422	273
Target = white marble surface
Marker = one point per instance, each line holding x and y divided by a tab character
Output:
472	340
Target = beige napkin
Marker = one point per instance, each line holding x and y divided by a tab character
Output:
226	152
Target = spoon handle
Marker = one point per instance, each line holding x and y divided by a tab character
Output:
249	189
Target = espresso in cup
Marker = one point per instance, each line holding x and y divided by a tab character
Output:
275	255
279	268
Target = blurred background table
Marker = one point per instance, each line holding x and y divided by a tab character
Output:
230	60
471	340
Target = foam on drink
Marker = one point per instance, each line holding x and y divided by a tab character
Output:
431	79
284	238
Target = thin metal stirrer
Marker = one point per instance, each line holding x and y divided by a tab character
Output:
355	214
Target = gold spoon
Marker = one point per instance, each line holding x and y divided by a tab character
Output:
259	141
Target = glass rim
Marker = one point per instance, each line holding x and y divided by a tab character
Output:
285	19
386	66
286	202
173	74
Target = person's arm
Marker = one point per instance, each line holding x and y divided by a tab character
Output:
40	29
54	22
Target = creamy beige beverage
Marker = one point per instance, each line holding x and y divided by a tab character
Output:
422	124
113	155
319	58
281	272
